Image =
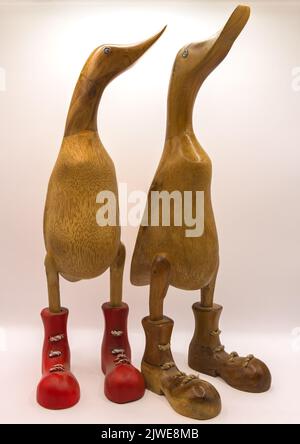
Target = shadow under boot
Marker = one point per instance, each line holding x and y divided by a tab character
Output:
187	394
207	355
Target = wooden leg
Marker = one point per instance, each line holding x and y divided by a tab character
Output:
53	285
207	293
116	277
159	283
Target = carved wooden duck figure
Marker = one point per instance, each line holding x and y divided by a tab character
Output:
77	247
165	255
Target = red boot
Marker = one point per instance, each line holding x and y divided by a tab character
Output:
123	382
58	388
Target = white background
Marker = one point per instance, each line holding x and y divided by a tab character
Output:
246	117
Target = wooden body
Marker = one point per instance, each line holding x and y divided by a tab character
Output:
165	255
185	166
80	248
193	260
77	247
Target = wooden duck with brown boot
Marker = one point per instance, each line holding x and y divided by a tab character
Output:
165	255
77	246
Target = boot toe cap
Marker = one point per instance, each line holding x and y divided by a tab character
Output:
259	377
124	383
197	399
206	403
58	390
253	378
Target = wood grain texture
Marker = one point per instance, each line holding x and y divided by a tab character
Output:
185	166
80	248
77	247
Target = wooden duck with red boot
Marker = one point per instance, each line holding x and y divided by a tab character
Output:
77	247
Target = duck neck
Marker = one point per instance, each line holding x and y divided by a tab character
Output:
83	110
181	101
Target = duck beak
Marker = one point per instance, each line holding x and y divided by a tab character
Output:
214	50
134	52
234	25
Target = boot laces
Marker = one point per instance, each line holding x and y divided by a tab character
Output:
118	351
116	333
219	348
234	355
55	353
57	368
167	365
247	360
185	378
164	347
56	338
121	357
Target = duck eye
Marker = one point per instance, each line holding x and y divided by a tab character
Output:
107	50
185	53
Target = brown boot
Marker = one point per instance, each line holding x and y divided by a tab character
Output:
187	394
207	355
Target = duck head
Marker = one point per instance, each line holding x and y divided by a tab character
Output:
197	60
193	63
108	61
104	64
